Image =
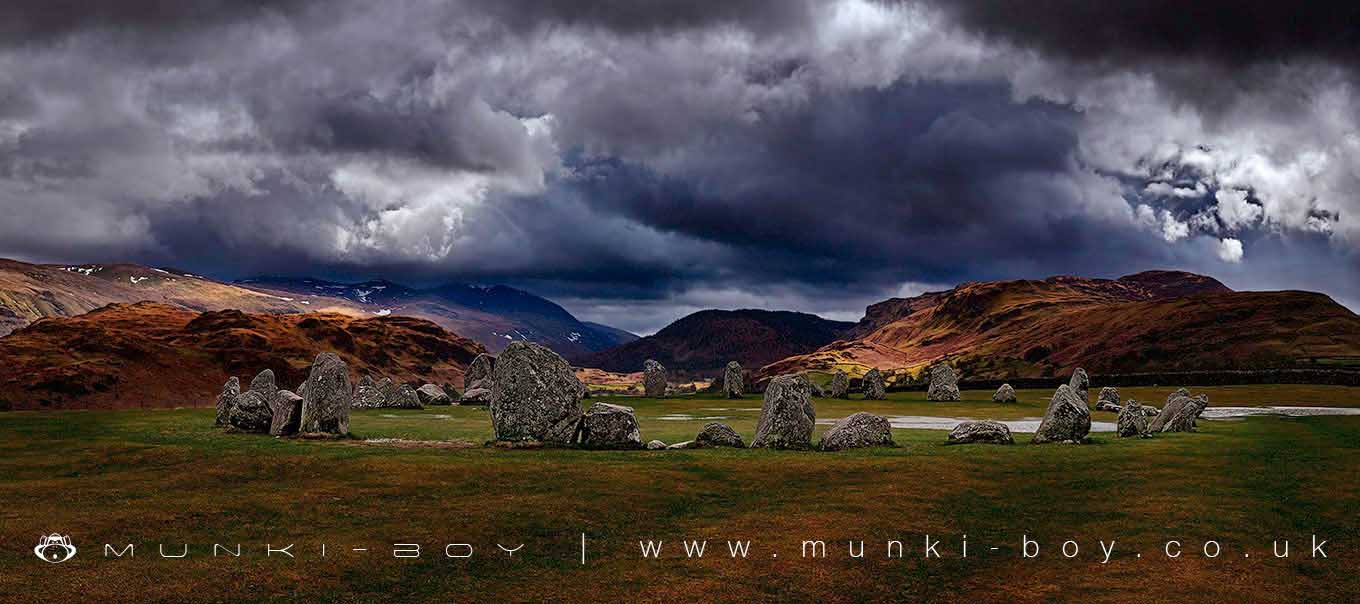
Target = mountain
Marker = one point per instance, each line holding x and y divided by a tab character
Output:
158	355
494	315
705	341
1151	321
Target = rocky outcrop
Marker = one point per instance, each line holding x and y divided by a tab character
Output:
1132	420
858	431
608	426
226	400
732	384
433	395
944	384
1068	419
719	435
1080	384
325	406
988	432
787	417
840	385
1180	412
286	413
251	413
479	372
653	379
1004	394
535	396
873	386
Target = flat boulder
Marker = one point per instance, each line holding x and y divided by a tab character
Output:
655	445
1132	421
325	406
719	435
840	385
858	431
226	400
535	397
251	413
653	379
1067	419
286	413
873	386
433	395
1080	384
787	417
732	382
480	372
987	432
609	426
475	396
1004	394
944	384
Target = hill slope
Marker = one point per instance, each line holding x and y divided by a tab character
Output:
1153	321
157	355
707	340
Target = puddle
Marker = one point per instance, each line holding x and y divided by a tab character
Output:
1285	411
1031	424
681	417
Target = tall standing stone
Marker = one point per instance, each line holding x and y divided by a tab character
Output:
653	379
536	396
787	417
840	385
944	385
873	386
1068	419
325	406
226	400
264	384
1080	384
732	384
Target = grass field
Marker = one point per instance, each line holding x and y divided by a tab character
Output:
152	477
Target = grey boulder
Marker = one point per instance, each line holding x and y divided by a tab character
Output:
1108	394
480	372
251	413
718	435
732	383
1067	419
988	432
858	431
786	415
609	426
873	386
1004	394
653	379
476	396
655	445
431	394
226	400
264	384
1132	420
1080	384
1180	413
536	396
325	406
840	385
944	385
404	397
286	413
367	394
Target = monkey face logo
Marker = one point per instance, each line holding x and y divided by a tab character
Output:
55	548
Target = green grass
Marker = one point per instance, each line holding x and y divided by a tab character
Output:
152	476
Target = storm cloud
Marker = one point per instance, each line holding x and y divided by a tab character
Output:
638	160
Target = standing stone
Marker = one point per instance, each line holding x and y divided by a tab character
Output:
1179	413
264	384
840	385
226	400
430	394
404	397
786	415
653	379
1068	419
732	384
1004	394
873	386
944	385
286	414
718	435
1132	420
367	395
535	397
608	426
860	430
1080	383
251	413
325	406
971	432
479	373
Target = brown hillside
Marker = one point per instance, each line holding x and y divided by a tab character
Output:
157	355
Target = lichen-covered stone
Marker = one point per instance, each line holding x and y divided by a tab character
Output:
1132	420
1004	394
840	385
264	384
226	400
1180	412
857	431
944	385
433	395
480	372
873	386
325	406
535	396
404	397
732	381
1108	394
1068	419
988	432
719	435
367	394
1080	384
787	417
609	426
653	379
251	413
286	413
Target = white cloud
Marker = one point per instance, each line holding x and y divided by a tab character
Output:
1234	209
1173	230
1230	250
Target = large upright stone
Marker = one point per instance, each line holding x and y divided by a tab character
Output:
840	385
535	397
1180	412
873	386
608	426
264	384
1080	384
857	431
1132	420
251	413
226	400
286	413
432	394
1004	394
479	372
732	384
944	385
653	379
786	415
325	406
718	435
1068	419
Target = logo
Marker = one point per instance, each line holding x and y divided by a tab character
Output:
55	548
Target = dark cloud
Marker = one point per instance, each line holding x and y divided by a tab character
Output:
39	21
649	16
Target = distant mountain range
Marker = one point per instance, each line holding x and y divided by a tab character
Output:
493	316
705	341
